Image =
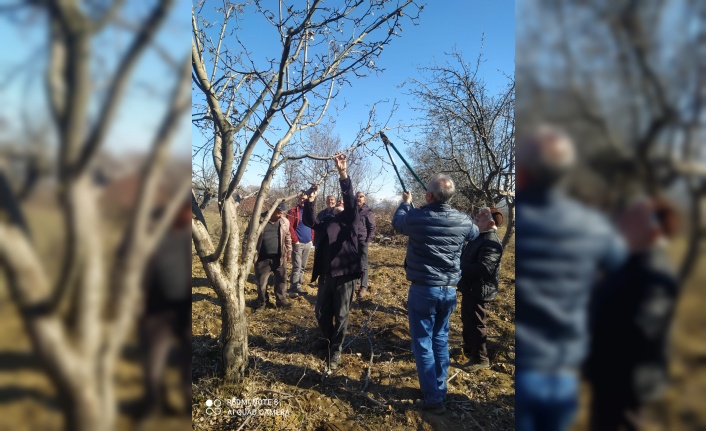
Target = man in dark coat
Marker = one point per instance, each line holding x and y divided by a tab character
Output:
480	265
632	312
365	236
336	263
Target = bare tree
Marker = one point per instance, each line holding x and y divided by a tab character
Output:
636	109
322	139
262	103
79	322
468	134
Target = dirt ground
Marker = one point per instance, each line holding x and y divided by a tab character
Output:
377	383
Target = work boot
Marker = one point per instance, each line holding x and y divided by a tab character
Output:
435	408
335	361
297	292
474	365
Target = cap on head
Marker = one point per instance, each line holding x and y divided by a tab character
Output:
497	216
282	207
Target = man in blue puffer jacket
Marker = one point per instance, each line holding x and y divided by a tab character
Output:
437	233
561	247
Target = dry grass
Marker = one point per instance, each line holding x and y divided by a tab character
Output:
377	382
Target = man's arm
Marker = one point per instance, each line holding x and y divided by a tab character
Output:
473	234
370	225
292	219
350	208
287	240
399	220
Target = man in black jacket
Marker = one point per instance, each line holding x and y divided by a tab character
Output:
336	262
365	236
480	265
632	313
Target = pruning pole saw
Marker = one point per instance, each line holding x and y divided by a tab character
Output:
388	144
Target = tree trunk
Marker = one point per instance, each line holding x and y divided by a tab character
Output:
510	223
234	332
84	408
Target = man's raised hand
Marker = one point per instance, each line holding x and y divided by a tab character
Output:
341	164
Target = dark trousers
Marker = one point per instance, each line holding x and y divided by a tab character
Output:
263	267
333	304
474	318
158	331
363	247
613	409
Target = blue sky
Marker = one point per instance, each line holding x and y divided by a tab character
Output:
147	94
443	26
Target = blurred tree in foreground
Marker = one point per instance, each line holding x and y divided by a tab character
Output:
78	323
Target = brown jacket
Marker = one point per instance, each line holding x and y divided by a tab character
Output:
285	242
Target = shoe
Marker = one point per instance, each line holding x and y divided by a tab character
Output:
335	361
472	365
284	305
320	344
257	305
435	408
298	292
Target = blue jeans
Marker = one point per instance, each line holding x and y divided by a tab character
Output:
429	309
545	401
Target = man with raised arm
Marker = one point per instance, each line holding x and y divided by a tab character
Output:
336	262
437	233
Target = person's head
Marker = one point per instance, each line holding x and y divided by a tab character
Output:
330	202
646	221
440	189
544	157
279	212
339	207
360	199
488	218
303	197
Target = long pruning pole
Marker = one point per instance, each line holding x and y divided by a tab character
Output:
388	143
392	160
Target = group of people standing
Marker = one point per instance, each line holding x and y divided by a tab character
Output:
592	297
446	248
339	235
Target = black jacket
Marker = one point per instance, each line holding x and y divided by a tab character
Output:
337	250
367	222
480	265
631	316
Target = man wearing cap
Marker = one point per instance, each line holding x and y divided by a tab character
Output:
480	265
274	249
